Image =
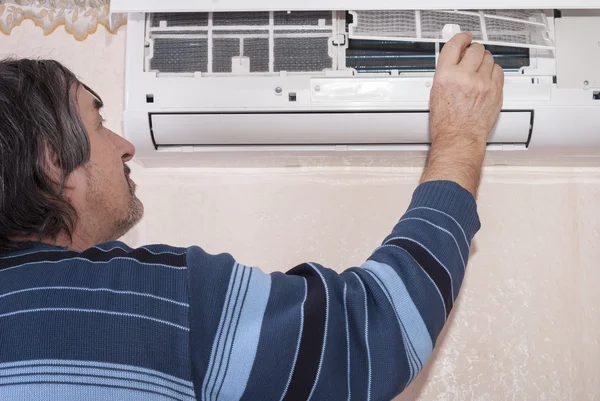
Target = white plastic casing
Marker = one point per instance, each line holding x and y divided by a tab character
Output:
339	117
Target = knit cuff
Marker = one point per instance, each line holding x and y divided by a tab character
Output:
450	198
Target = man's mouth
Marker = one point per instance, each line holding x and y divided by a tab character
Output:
130	182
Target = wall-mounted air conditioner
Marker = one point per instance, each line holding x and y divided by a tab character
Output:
209	78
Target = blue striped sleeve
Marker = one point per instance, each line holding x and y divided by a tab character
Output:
314	334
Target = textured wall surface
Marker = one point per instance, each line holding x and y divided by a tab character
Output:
526	326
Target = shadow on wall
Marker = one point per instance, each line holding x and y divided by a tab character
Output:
413	392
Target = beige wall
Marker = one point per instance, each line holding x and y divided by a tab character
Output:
527	324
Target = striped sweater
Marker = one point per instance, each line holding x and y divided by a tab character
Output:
164	323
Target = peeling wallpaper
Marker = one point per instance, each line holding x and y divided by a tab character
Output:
526	326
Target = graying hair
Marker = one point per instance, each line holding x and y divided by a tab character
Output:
40	127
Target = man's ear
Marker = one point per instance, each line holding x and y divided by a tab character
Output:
51	166
70	187
53	169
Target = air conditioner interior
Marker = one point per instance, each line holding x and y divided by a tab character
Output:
359	42
378	56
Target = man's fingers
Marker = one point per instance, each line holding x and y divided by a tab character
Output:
487	65
452	51
498	76
473	57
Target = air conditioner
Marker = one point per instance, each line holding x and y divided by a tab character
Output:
350	80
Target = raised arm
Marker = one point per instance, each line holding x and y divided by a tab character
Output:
366	333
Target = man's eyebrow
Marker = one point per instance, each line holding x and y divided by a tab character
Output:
98	104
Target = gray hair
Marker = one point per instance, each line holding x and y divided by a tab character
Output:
40	127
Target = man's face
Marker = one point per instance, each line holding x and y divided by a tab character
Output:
101	190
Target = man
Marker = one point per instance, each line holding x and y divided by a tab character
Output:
83	317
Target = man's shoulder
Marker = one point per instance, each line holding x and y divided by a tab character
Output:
118	247
102	253
113	252
160	254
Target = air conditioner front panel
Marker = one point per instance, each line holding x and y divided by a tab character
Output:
304	128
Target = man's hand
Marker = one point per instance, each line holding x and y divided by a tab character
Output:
466	99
